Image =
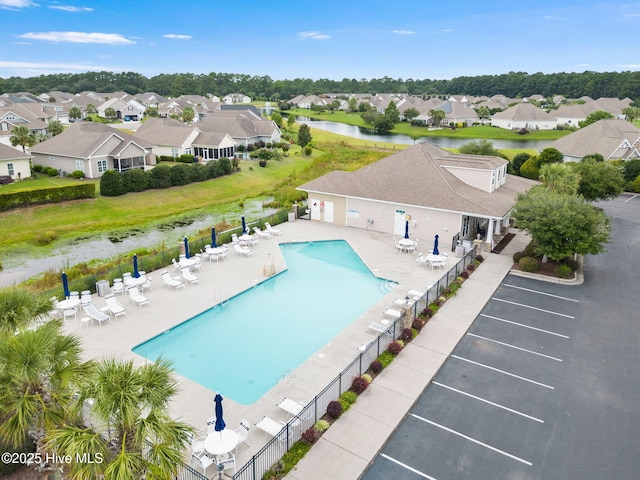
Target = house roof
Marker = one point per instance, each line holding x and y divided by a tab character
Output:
10	153
237	124
164	131
81	139
524	111
603	137
418	176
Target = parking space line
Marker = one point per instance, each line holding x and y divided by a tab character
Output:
629	199
477	442
541	293
532	308
523	325
504	372
404	465
488	402
517	348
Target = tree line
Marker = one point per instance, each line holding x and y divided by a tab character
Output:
512	84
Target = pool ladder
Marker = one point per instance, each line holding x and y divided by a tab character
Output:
286	377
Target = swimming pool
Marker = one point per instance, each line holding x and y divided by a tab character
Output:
242	346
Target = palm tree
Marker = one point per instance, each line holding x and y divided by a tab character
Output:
19	308
128	423
39	370
560	178
22	136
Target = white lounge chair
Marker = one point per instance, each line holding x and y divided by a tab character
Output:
136	297
392	312
243	250
378	327
261	233
114	307
188	276
271	230
95	314
171	282
270	426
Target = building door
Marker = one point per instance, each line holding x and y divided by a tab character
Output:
315	209
328	212
399	219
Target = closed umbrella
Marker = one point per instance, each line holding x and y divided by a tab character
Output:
65	285
219	426
435	246
136	273
244	226
186	247
213	238
406	229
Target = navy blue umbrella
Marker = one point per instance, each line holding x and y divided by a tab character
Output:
435	246
219	426
65	285
136	273
406	229
244	226
186	247
213	238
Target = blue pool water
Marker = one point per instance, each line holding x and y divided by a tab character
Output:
241	347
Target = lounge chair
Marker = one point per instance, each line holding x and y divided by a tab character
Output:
95	314
378	327
113	306
188	276
136	297
270	426
392	312
243	250
171	282
261	233
271	230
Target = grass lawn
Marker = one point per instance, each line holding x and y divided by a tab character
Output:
480	131
41	181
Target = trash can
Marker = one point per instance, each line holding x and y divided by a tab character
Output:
459	251
102	288
292	216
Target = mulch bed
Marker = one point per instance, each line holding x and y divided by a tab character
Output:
503	243
546	269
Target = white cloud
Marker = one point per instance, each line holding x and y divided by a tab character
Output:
79	37
15	4
403	32
69	8
630	65
176	36
65	67
315	35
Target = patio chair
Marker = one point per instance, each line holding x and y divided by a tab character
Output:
271	230
114	307
171	282
136	297
243	433
228	463
188	276
95	314
118	286
69	312
243	250
262	234
196	443
203	461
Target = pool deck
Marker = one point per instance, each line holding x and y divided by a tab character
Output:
194	403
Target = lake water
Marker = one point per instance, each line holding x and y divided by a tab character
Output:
443	142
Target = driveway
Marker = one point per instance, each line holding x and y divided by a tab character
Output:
544	385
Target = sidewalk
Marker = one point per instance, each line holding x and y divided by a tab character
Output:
353	442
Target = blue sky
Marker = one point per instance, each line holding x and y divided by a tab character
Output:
288	39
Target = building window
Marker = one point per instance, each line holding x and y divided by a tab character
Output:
80	165
10	168
102	166
174	152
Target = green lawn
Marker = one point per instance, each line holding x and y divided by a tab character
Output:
480	131
41	181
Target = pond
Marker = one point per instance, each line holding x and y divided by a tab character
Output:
443	142
20	267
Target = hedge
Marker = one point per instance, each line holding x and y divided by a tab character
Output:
38	196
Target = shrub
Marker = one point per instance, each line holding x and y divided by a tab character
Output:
77	174
571	263
517	256
528	264
307	150
347	399
471	267
385	359
427	312
185	158
406	335
44	238
562	271
334	409
394	348
262	163
135	180
358	385
160	177
529	169
479	259
179	175
523	131
321	426
52	172
376	366
37	168
417	324
309	436
464	274
530	249
112	184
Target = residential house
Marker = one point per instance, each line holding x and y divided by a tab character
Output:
150	99
92	148
22	114
236	98
306	101
458	112
245	127
455	196
126	109
613	139
524	115
14	163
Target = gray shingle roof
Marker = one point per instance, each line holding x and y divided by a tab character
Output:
10	153
416	176
164	131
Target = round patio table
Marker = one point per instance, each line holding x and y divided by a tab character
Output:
221	443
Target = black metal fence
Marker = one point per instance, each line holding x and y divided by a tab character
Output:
292	431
